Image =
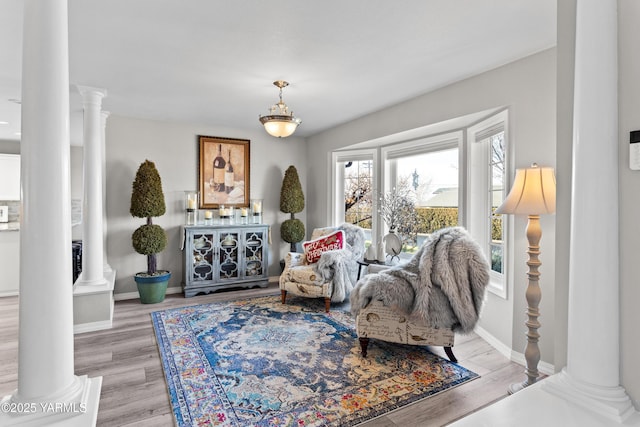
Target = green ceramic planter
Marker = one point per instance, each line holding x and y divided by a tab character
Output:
152	289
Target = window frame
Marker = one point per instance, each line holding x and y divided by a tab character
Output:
427	144
473	194
479	200
336	189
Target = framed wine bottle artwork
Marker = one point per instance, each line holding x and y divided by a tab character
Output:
223	173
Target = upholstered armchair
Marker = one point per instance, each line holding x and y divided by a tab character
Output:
328	267
425	301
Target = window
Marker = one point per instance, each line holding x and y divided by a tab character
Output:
427	171
487	186
353	189
457	177
496	196
358	190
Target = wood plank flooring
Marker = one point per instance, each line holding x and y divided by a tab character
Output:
134	392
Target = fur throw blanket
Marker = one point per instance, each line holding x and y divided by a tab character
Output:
340	266
442	285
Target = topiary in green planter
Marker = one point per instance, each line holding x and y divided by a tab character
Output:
147	201
291	202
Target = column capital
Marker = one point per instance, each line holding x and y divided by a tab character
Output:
91	94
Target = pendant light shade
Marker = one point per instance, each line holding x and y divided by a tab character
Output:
280	122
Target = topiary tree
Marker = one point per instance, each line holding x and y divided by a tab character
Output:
147	201
291	202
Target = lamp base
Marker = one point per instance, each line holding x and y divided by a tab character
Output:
516	387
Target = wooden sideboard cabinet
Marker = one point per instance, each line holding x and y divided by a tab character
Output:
225	256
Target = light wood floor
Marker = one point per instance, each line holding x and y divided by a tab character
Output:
134	392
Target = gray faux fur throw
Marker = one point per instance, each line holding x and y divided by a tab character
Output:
340	265
443	284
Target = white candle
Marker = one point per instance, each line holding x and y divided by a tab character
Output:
257	207
191	204
244	212
208	215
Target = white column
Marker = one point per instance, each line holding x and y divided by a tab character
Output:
92	206
591	377
45	355
104	115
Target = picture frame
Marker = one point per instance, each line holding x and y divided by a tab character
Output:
219	184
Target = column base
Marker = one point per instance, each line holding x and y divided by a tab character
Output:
535	406
93	305
94	282
610	402
79	409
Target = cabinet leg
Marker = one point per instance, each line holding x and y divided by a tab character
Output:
327	304
364	343
283	296
450	354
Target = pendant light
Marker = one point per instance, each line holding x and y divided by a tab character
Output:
280	122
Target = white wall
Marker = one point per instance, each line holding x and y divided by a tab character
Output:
173	147
9	147
77	183
528	88
629	183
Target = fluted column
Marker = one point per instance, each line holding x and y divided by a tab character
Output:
45	350
592	375
92	207
104	115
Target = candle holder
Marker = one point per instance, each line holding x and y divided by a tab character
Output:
208	218
244	215
226	214
256	210
191	207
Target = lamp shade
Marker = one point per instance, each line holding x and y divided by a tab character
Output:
533	192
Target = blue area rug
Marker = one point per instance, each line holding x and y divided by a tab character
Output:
257	362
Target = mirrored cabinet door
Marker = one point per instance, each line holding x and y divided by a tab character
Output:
254	251
228	255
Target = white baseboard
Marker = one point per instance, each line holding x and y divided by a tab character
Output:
171	290
502	348
508	352
544	367
134	295
92	326
9	294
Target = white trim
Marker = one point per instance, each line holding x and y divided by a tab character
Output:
428	144
135	295
336	210
509	353
92	326
477	195
423	145
543	367
9	294
502	348
498	288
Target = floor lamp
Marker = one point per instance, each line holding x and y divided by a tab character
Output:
533	193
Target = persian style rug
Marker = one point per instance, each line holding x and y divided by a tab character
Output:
257	362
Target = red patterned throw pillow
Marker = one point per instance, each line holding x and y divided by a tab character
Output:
314	248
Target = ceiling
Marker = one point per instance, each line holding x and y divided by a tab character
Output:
213	62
